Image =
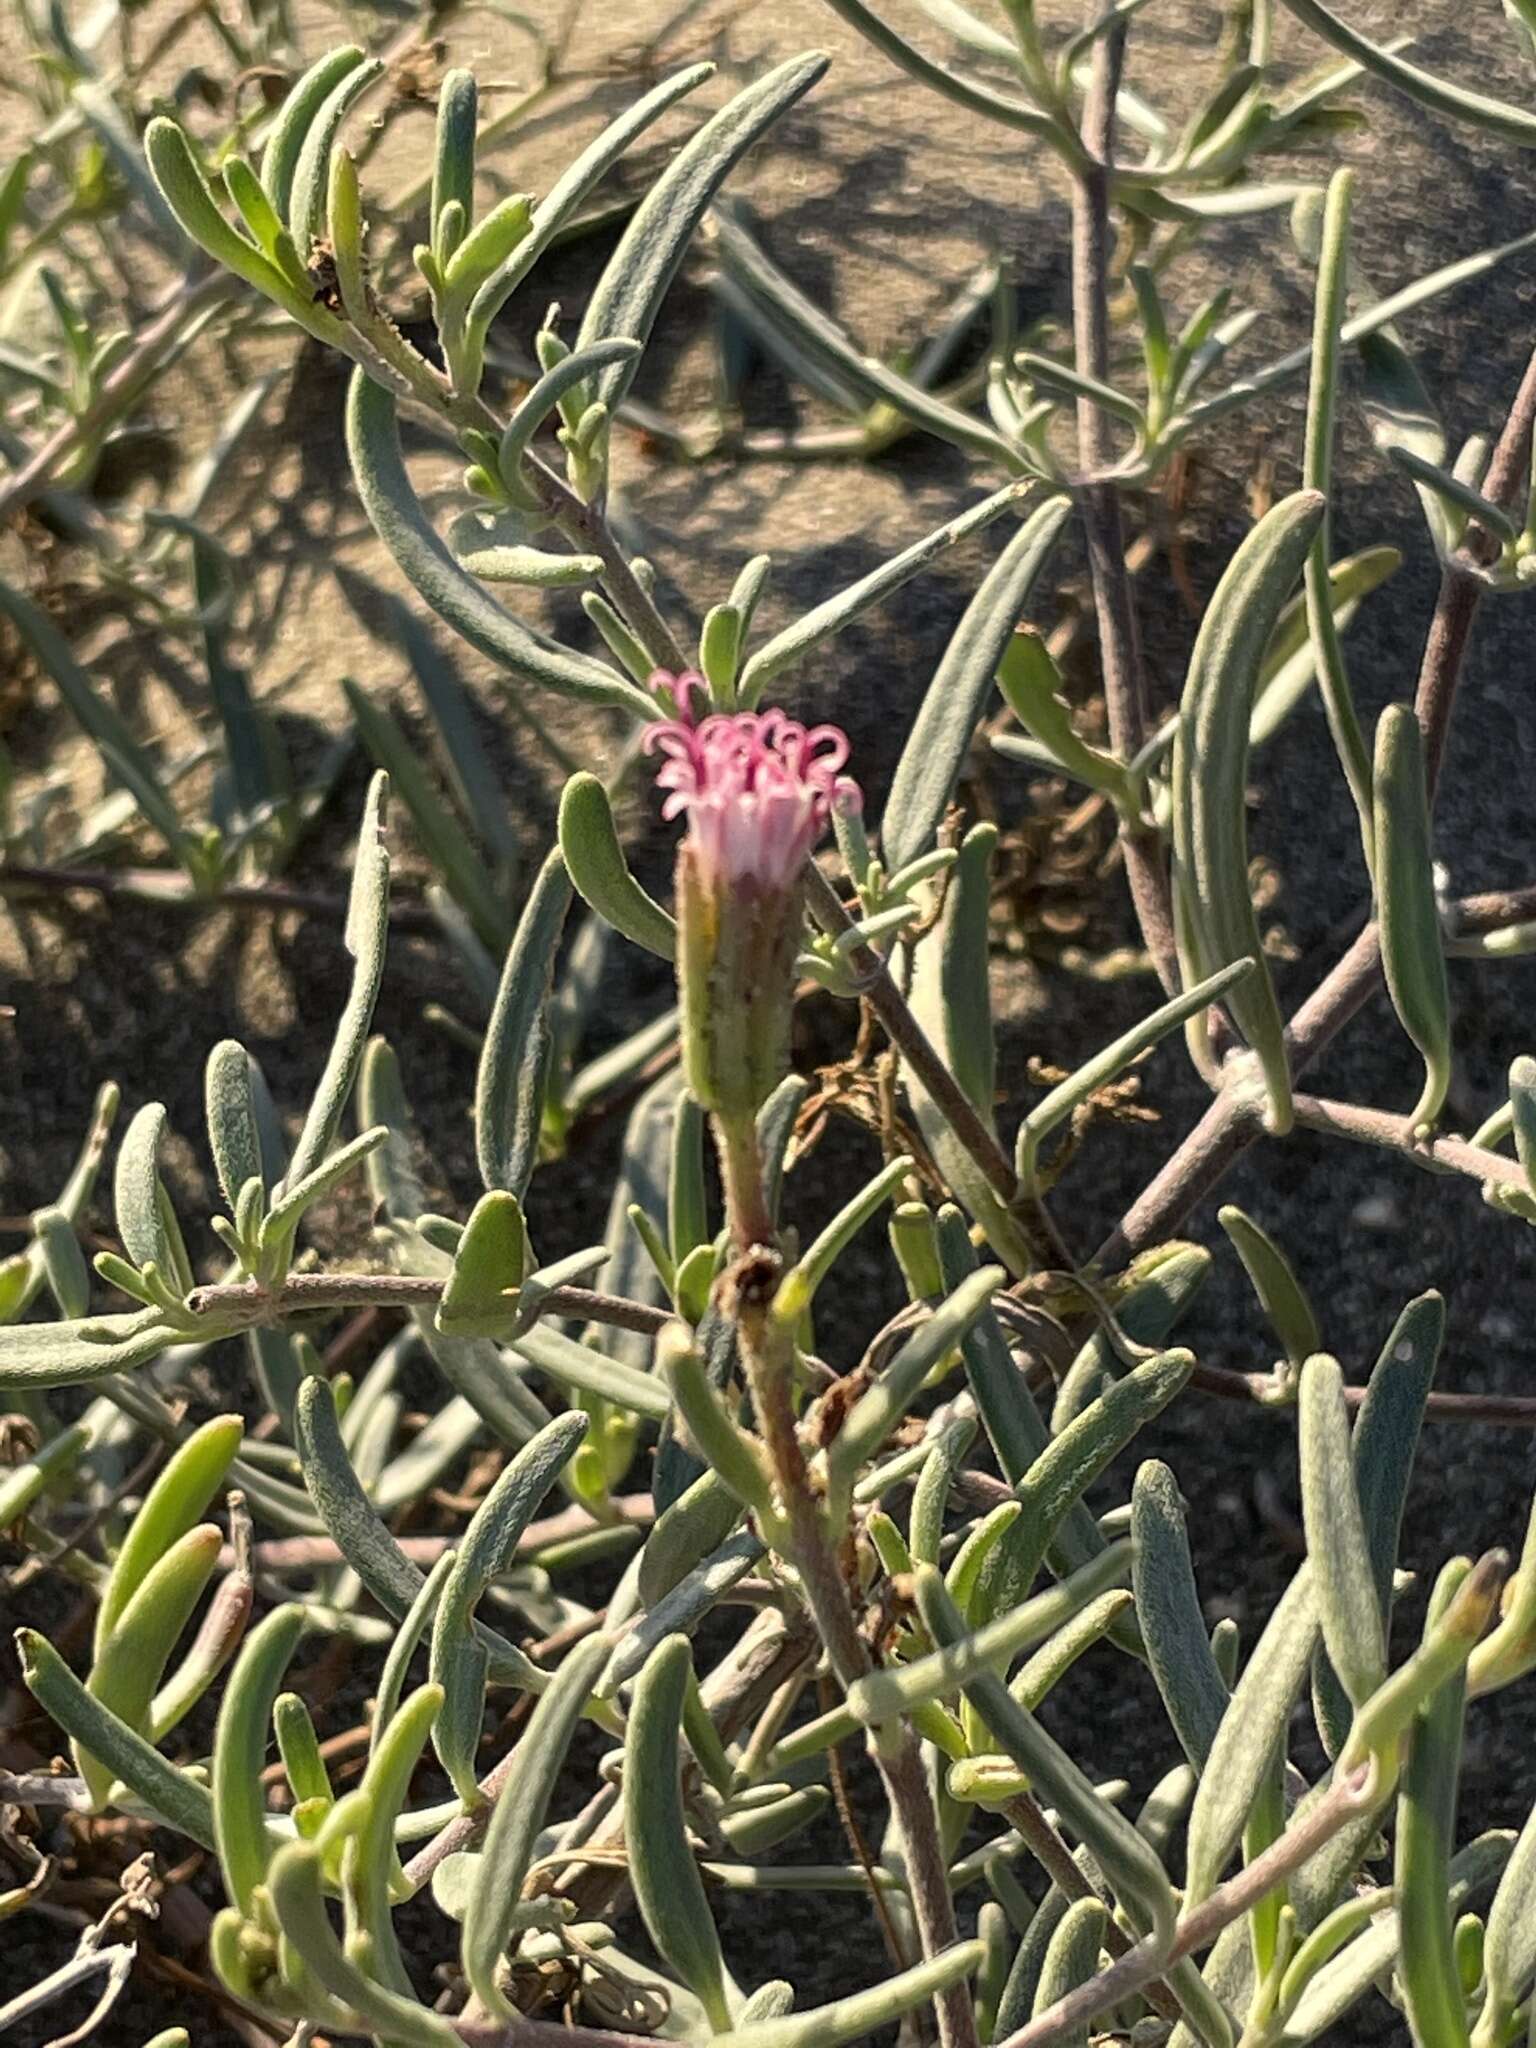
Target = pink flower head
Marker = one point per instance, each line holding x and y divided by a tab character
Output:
758	789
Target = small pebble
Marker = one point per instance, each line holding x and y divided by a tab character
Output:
1378	1212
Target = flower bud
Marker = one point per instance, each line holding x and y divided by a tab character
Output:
757	789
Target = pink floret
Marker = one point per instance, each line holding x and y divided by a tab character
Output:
688	691
757	788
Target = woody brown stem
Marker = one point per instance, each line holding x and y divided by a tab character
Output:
1152	1958
1098	499
1229	1126
767	1350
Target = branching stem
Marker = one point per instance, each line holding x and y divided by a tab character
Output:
1150	1959
1231	1124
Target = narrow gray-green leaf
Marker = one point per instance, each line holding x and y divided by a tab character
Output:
36	1356
820	352
594	860
1128	1863
442	837
574	183
1335	1528
306	202
1030	682
1071	1959
1095	1073
518	1818
1280	1293
1159	1286
899	1688
862	2012
509	1087
1509	1948
798	1287
354	1524
629	293
687	1531
1495	117
392	505
1289	661
1412	950
1341	1984
285	138
555	384
787	648
1210	765
1384	1443
136	1191
941	733
951	999
1251	1731
577	1365
1013	1423
1333	678
301	1195
965	969
1168	1608
1070	1463
975	99
1427	1974
459	1659
171	1793
233	1136
1452	490
877	1412
662	1866
365	937
240	1741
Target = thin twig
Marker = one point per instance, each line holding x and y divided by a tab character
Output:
306	1553
767	1355
116	1961
1263	1390
872	979
185	304
1231	1123
1120	659
1396	1134
168	890
1040	1837
1151	1958
1491	911
304	1293
837	1778
465	1829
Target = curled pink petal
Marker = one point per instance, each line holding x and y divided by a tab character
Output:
757	788
687	691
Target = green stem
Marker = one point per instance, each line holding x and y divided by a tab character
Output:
741	1172
588	531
